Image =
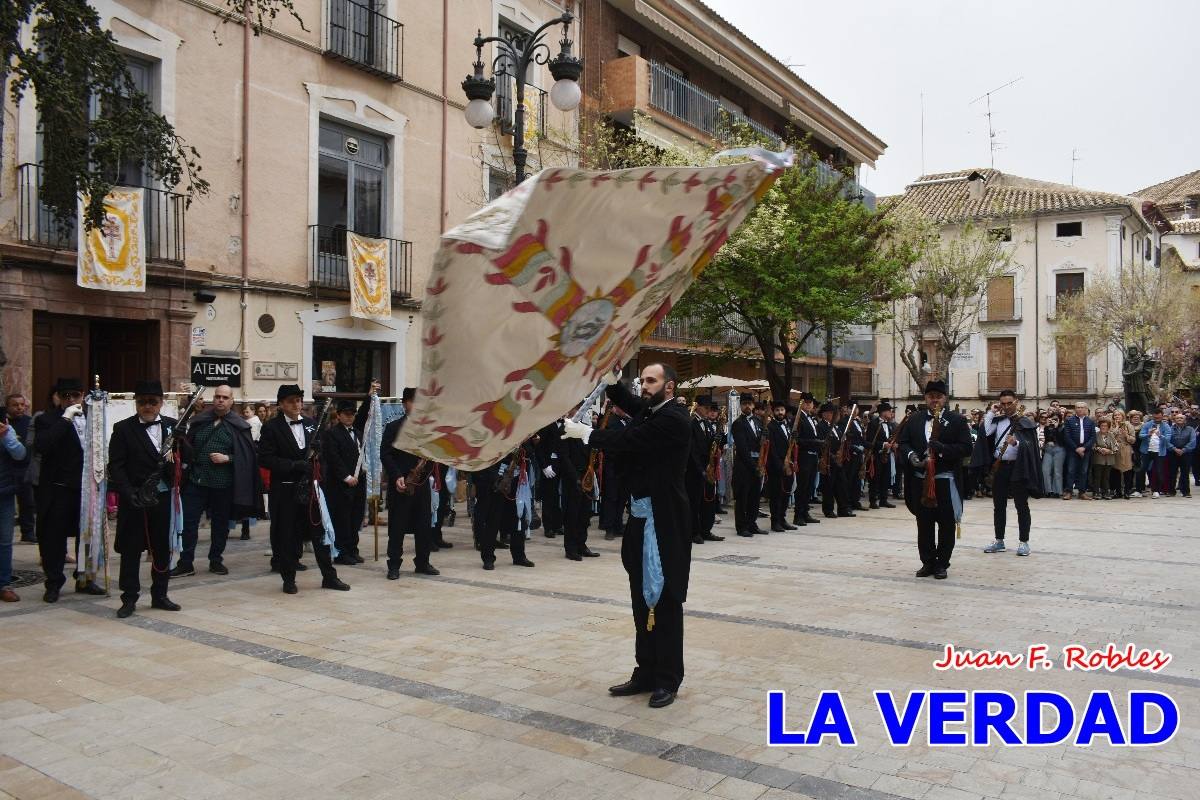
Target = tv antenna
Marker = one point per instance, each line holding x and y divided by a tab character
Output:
993	145
1074	158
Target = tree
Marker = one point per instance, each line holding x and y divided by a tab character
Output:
947	281
1146	308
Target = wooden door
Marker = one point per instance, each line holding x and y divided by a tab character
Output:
1001	364
1001	298
60	350
123	353
1071	364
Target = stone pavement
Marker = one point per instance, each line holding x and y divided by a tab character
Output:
492	684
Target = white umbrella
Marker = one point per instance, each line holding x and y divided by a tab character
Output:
722	382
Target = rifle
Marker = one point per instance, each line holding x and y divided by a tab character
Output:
588	482
869	456
146	495
764	449
791	459
843	454
312	452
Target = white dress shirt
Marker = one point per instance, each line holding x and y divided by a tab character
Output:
1000	428
297	431
155	432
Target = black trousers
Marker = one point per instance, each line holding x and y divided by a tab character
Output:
881	482
25	508
576	516
154	536
291	526
347	504
746	484
778	484
853	467
1177	477
658	652
833	490
409	514
445	506
552	512
613	500
496	515
935	529
802	496
57	521
1004	486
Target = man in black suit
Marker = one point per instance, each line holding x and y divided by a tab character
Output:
57	434
834	497
285	447
548	450
343	478
951	444
778	481
135	457
496	511
879	450
807	452
701	491
410	508
614	495
571	466
746	480
855	452
655	449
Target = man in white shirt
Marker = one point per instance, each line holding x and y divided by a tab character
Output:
1016	468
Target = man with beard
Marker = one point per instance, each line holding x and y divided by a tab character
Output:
1012	440
222	479
701	491
807	453
655	452
778	482
746	481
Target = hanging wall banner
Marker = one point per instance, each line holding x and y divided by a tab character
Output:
112	255
368	261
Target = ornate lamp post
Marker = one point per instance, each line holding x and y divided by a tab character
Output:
516	54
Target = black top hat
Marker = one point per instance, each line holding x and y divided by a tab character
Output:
68	385
910	409
830	407
148	388
778	404
848	402
884	407
806	397
705	402
938	386
346	406
409	393
288	390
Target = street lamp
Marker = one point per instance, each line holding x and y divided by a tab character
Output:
517	53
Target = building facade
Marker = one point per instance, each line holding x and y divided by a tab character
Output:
351	122
1060	238
1178	199
676	74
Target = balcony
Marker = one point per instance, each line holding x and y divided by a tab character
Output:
991	383
358	35
1054	303
536	101
327	260
687	330
1070	382
162	211
1005	309
918	389
673	95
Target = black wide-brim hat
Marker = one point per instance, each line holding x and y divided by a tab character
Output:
288	390
150	388
807	397
409	393
830	407
938	386
882	407
347	406
63	385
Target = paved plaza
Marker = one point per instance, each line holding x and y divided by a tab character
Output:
492	685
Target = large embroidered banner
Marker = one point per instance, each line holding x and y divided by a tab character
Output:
112	255
370	288
541	292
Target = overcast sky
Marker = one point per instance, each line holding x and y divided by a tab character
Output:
1118	81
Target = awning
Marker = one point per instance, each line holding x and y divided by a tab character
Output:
722	382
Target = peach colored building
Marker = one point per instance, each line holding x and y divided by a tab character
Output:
352	121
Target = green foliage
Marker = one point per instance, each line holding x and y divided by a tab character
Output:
91	115
262	13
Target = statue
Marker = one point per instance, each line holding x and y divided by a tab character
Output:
1136	370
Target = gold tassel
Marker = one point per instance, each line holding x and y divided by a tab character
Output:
650	620
958	530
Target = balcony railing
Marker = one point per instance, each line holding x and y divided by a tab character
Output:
359	35
327	260
1055	302
999	311
672	94
506	107
995	382
162	214
1070	382
689	331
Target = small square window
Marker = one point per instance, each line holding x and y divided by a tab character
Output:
1148	250
1000	234
1064	230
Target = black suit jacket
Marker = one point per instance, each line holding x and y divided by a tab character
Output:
278	452
340	454
745	442
132	459
955	436
654	451
808	436
58	445
698	450
778	434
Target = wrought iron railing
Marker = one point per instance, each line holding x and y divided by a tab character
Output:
162	214
672	94
689	330
506	106
995	382
1070	381
361	36
328	260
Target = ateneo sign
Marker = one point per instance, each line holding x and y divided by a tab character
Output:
216	370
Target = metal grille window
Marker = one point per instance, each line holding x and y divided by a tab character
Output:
360	34
350	180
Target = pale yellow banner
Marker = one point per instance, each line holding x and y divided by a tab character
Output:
112	255
368	263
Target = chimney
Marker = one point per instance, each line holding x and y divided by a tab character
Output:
976	184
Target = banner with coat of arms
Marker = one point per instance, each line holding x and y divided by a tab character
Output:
112	255
368	261
541	292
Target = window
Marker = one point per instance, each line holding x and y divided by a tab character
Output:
350	182
1001	298
346	366
1068	283
499	182
628	47
1148	250
506	84
1065	230
1122	233
1000	234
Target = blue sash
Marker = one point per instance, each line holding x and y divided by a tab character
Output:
652	572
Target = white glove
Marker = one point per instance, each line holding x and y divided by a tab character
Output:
73	411
611	377
549	472
916	460
576	430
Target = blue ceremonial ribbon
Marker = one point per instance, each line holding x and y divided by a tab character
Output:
373	442
955	499
524	501
175	526
326	521
652	572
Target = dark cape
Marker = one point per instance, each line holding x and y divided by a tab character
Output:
247	481
1028	467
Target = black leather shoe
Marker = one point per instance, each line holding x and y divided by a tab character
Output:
789	527
428	569
51	596
345	561
661	698
549	534
218	569
757	530
847	514
575	556
799	523
830	516
925	572
165	604
941	575
746	534
524	562
590	553
778	529
886	504
609	536
712	537
874	504
393	575
183	571
359	559
126	610
335	583
444	545
697	539
489	565
289	587
811	520
89	588
628	689
301	566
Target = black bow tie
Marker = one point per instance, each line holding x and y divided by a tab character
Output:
150	424
295	422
